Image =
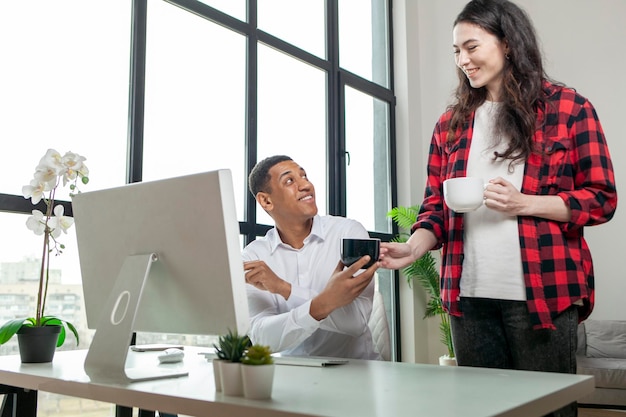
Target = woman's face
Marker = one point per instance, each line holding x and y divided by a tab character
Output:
480	55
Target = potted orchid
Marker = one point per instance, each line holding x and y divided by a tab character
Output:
53	171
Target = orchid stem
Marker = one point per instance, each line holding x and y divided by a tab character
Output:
44	274
39	312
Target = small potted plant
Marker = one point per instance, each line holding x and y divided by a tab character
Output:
230	349
40	335
425	272
257	372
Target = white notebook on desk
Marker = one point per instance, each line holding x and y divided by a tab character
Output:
308	361
315	361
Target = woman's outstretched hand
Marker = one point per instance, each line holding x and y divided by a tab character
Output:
394	255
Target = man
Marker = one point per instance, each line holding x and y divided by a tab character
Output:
303	301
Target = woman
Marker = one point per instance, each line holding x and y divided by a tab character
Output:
517	275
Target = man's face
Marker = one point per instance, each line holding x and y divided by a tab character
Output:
292	195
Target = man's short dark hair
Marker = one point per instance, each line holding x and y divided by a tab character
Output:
259	177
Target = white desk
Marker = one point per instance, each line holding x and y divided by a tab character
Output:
360	388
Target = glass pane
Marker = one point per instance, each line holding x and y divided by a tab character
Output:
62	90
363	40
301	23
367	143
195	98
235	8
292	117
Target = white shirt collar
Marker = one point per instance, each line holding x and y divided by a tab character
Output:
317	232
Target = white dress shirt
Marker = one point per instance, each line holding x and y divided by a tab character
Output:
286	325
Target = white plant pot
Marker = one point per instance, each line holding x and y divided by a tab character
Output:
257	381
446	360
230	373
217	373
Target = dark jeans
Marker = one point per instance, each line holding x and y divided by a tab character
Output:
497	334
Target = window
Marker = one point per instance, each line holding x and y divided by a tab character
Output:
64	85
194	97
364	39
213	84
367	151
292	117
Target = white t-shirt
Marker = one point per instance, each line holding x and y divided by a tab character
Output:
492	264
286	325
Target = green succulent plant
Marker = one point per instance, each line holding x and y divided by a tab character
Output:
232	346
257	355
425	272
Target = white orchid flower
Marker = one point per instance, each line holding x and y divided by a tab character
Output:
61	223
73	165
34	191
49	169
52	158
47	174
55	231
36	222
83	170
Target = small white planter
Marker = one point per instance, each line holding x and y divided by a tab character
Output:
217	373
231	378
446	360
257	381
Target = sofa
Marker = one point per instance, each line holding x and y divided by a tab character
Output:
602	353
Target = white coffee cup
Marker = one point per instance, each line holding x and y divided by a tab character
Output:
463	194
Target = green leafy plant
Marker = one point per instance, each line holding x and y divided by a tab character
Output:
52	171
232	346
257	355
425	272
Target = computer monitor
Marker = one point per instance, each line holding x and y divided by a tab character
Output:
160	256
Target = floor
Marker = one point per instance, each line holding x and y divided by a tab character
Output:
52	405
599	412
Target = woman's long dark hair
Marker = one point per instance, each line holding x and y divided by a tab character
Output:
523	76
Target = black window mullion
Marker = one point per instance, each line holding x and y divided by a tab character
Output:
251	147
394	190
137	82
216	16
336	135
368	87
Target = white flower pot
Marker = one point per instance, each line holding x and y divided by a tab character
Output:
217	373
231	378
257	381
446	360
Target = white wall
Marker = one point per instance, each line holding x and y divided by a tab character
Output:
583	48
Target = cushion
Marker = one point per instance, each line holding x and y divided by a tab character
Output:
605	339
608	373
380	328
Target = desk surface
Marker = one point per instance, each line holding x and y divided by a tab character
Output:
359	388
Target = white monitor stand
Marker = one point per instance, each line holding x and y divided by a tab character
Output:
106	359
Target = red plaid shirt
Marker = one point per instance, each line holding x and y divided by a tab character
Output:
575	165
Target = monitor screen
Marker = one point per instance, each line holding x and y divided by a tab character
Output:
160	256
